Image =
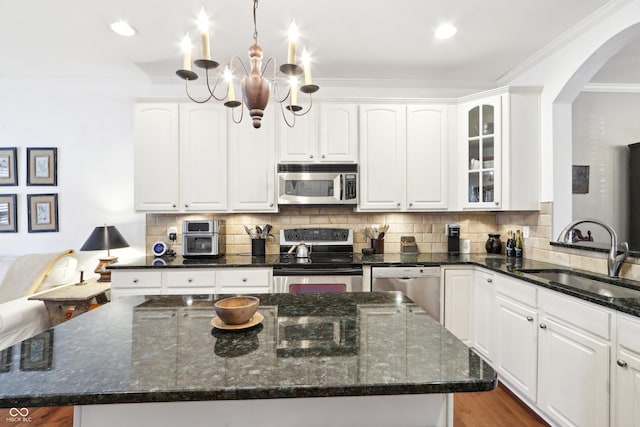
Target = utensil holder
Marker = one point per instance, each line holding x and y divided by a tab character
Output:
378	246
258	247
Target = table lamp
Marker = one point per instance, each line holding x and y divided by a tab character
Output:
105	237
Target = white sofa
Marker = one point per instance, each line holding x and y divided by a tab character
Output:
26	275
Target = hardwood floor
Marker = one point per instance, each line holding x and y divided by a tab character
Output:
496	408
54	416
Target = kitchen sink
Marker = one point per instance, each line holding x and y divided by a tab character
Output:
583	282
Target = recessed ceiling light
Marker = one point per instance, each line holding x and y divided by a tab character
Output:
445	31
123	28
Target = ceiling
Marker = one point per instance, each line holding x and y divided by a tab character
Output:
349	40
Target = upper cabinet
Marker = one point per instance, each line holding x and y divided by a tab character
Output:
156	154
180	157
427	172
328	133
252	166
383	143
499	137
403	157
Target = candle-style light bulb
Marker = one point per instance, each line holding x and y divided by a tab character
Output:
203	26
293	36
306	64
293	82
186	52
228	77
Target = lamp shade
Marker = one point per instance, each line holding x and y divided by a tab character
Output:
104	237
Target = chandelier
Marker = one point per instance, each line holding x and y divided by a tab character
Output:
255	86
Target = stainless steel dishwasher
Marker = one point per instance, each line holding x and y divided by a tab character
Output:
420	283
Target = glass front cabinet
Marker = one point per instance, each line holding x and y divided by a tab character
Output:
481	146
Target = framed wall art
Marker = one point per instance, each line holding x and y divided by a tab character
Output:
8	166
42	166
8	213
36	354
580	179
43	212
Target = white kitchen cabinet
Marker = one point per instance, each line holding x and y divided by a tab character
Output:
156	154
328	133
179	281
626	394
426	158
245	280
516	334
484	318
251	166
383	137
298	143
189	281
499	134
573	361
180	157
458	302
403	157
203	157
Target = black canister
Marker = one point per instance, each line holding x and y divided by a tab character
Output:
493	245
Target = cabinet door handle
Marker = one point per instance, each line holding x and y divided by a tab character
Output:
489	280
271	204
323	156
398	204
186	205
311	156
411	204
543	326
621	363
173	205
497	203
529	318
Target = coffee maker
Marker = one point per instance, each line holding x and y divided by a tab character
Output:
453	238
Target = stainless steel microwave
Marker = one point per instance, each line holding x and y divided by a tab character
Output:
317	184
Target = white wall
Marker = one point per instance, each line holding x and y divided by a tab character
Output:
604	124
563	73
90	122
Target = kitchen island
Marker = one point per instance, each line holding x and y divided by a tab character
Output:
372	359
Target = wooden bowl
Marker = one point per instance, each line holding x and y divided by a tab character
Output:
236	310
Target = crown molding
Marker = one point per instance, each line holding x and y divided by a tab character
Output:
612	87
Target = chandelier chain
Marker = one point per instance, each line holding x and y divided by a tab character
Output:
255	25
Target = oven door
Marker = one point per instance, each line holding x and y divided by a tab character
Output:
199	245
323	188
306	280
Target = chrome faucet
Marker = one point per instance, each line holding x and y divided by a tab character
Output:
614	260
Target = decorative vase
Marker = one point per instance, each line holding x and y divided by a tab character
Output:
493	245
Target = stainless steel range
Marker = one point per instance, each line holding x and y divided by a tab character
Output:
326	265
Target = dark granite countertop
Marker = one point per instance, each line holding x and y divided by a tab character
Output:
159	349
498	263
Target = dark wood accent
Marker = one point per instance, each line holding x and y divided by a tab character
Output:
496	408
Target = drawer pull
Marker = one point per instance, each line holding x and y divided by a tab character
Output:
621	363
135	280
543	326
190	280
244	279
489	280
530	318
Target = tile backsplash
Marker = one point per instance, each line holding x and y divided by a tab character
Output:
427	228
